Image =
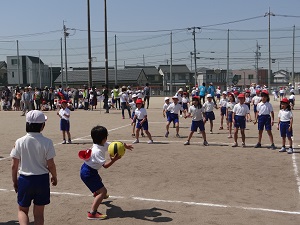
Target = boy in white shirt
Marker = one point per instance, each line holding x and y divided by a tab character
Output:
223	104
292	100
64	114
174	109
208	107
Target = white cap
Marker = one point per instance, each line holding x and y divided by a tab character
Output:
176	97
224	93
167	98
134	96
35	116
180	89
208	96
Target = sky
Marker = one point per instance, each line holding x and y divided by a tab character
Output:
143	28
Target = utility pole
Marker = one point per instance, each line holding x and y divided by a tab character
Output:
40	76
18	63
293	66
66	34
61	62
227	72
106	47
89	46
171	59
269	14
144	60
195	56
116	62
257	57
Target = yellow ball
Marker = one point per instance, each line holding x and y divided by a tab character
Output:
116	147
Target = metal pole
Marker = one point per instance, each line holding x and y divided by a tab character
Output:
269	71
40	75
227	75
293	66
61	63
51	76
256	59
171	53
89	46
66	61
116	65
18	63
195	57
106	47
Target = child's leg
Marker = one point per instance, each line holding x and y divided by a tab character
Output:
230	128
69	135
270	136
235	135
142	131
260	136
137	133
283	141
243	135
190	136
167	126
98	199
133	129
148	134
177	127
290	141
203	135
64	134
38	213
211	125
23	215
222	118
129	113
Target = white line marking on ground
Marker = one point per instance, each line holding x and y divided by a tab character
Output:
178	202
4	158
296	167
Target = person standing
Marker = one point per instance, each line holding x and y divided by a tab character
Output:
27	100
202	92
76	98
212	90
105	95
64	114
147	94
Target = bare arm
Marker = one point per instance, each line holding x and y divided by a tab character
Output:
52	170
14	172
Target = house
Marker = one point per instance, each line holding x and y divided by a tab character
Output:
3	73
30	71
282	77
134	77
218	78
181	77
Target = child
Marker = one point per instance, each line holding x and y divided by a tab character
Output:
208	106
255	100
33	155
185	101
64	114
124	99
240	111
142	121
229	109
248	99
174	109
285	124
264	109
166	113
218	93
133	107
45	106
223	103
292	100
93	162
197	113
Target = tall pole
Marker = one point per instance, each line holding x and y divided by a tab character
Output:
89	45
116	62
293	66
40	75
269	71
66	58
144	60
257	55
18	63
227	74
61	62
51	76
195	57
171	62
106	47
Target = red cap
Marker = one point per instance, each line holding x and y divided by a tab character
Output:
236	92
139	101
64	101
285	100
241	96
265	92
257	91
85	154
195	97
248	91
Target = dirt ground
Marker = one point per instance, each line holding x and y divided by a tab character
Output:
165	182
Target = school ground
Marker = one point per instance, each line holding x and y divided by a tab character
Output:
165	182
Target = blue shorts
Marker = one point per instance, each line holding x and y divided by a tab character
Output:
264	121
284	129
144	126
230	117
132	115
291	101
240	122
36	188
173	117
64	125
248	104
197	124
255	108
218	96
223	111
168	114
185	106
91	178
210	115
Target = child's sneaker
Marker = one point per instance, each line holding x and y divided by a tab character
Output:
96	216
187	143
243	144
150	142
205	143
273	147
167	134
235	145
69	141
290	151
64	142
136	141
177	135
210	132
282	149
230	136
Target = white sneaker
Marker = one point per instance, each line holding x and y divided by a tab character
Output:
136	141
64	142
187	143
282	149
290	151
150	142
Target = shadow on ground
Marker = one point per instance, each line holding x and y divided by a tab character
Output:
152	215
13	222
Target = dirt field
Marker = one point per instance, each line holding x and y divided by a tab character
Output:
166	181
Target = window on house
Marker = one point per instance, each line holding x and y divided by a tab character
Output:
181	76
14	61
250	76
13	74
239	77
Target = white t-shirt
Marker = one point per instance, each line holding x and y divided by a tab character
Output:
33	150
123	97
63	112
165	106
230	106
196	113
292	97
264	108
256	99
179	97
185	100
208	106
175	108
97	158
223	102
285	115
132	105
241	110
140	113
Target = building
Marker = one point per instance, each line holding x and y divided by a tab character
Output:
218	78
133	77
3	73
181	77
31	71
